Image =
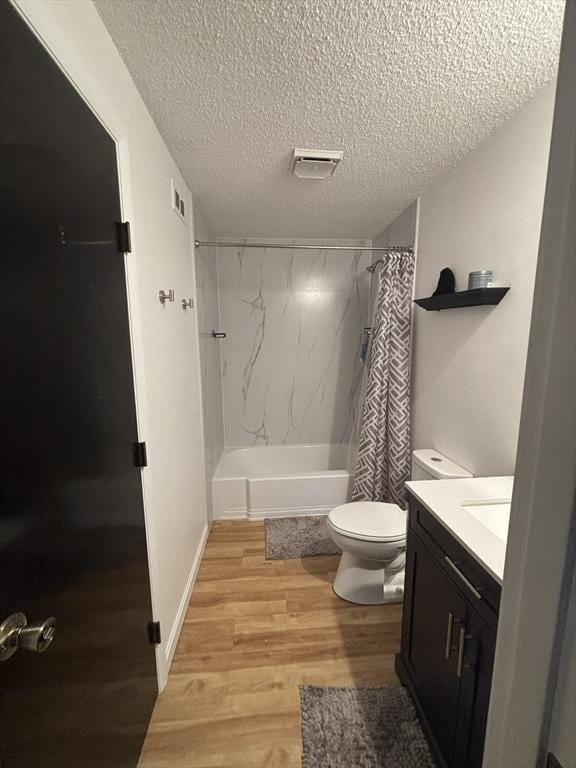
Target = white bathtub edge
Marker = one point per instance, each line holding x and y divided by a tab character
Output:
260	514
232	514
255	495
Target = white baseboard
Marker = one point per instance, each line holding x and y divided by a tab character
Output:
183	607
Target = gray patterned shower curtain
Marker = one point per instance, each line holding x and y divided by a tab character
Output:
383	463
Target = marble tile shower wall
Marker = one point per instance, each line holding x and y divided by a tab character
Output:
208	320
291	367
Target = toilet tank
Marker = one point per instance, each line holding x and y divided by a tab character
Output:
428	464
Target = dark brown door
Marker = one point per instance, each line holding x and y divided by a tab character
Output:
438	616
72	536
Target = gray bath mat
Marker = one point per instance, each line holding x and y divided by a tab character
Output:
288	538
361	727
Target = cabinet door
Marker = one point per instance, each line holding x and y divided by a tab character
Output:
438	613
478	662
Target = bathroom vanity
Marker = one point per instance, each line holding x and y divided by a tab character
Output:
456	544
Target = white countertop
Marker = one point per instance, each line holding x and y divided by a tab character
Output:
460	505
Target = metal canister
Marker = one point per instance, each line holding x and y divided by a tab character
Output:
480	279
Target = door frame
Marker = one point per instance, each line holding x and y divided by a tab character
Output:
92	97
542	540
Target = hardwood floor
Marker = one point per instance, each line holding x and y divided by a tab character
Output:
254	631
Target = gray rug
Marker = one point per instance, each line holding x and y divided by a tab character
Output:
361	728
289	538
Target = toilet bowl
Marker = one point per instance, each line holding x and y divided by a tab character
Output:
372	536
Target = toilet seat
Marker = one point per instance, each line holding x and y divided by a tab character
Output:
369	521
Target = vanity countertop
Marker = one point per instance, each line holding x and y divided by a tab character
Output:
475	510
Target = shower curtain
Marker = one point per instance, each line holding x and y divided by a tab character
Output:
383	463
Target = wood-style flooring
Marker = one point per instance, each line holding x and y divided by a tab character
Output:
254	631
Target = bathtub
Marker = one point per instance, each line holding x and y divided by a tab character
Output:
280	480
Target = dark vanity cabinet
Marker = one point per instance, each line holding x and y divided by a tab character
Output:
448	638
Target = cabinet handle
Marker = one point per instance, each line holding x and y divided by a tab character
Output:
463	578
461	645
461	649
448	652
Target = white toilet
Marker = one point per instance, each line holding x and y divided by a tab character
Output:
372	536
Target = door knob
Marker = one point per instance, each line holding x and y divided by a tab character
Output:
15	632
37	637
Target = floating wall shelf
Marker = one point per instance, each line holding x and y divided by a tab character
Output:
477	298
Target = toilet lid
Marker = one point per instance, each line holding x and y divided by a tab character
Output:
372	520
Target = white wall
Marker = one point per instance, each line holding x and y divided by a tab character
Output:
165	344
210	364
469	363
291	363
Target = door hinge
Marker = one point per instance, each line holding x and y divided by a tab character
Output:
154	633
139	453
123	237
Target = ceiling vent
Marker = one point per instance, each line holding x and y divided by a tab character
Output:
315	163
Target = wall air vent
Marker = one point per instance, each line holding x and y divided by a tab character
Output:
315	163
178	204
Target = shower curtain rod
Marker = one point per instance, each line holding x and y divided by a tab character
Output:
387	249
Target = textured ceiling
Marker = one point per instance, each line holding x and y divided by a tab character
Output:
404	87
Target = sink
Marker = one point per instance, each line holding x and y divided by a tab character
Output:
493	514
